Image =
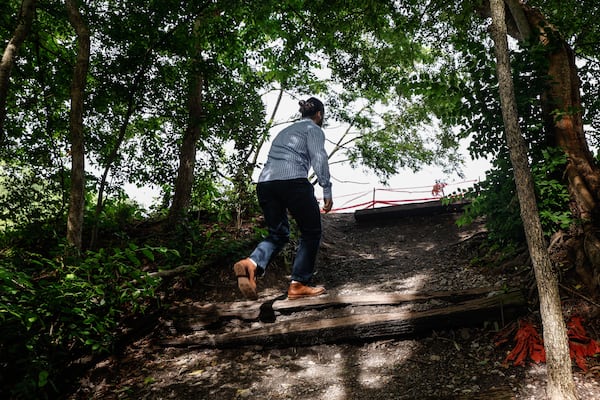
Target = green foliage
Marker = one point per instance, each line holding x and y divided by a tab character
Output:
53	308
138	83
208	242
27	197
399	141
552	194
207	197
117	213
496	199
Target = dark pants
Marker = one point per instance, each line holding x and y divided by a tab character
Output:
297	196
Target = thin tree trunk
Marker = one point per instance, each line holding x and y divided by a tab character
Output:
10	53
187	154
109	163
560	380
243	172
115	150
263	139
77	197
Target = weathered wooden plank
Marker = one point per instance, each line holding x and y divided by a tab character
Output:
203	315
194	316
500	393
408	210
362	327
187	317
377	299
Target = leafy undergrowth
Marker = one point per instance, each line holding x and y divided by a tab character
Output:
60	309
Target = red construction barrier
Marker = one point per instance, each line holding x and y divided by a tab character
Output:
436	191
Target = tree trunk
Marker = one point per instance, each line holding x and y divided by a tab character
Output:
77	197
131	107
109	164
562	110
187	154
10	53
255	150
560	380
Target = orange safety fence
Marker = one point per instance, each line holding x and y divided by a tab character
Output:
436	192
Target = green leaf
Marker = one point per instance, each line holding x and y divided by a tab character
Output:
42	378
148	253
132	257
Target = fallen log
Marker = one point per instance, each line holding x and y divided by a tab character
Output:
197	316
308	331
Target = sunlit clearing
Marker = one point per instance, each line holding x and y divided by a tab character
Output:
375	370
307	369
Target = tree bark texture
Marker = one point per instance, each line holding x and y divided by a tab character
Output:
77	193
560	380
10	53
562	110
187	155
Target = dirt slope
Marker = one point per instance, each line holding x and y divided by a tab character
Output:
406	255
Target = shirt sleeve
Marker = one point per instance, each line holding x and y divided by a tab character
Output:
319	160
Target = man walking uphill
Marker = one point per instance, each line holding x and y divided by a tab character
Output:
283	186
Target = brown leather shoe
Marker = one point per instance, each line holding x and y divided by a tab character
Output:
245	272
298	290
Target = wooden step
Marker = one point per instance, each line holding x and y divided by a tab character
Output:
499	306
205	315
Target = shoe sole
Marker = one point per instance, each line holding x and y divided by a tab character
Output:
244	283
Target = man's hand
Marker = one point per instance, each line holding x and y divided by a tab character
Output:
328	204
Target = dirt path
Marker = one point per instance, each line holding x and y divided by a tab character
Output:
409	255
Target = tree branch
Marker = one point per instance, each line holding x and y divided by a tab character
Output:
10	53
519	18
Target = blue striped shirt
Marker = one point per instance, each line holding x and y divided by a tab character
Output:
294	151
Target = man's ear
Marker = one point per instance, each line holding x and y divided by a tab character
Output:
322	120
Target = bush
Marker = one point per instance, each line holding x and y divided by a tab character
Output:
496	199
54	309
